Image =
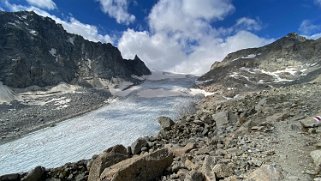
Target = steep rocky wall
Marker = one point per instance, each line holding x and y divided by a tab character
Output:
36	51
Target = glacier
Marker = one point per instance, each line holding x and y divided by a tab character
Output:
121	122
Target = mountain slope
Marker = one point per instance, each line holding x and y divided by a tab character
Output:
37	51
290	60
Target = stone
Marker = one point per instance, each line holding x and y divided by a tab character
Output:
137	146
310	123
221	119
10	177
278	117
140	167
110	157
180	151
260	105
266	173
165	122
208	165
224	118
316	157
197	176
36	174
223	170
206	119
190	165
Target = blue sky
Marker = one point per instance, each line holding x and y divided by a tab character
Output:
184	36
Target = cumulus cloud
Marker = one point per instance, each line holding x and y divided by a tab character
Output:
71	25
308	28
45	4
117	9
182	38
249	24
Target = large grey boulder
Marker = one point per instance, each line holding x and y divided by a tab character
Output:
137	146
139	168
316	156
165	122
110	157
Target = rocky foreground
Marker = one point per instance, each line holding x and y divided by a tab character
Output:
264	135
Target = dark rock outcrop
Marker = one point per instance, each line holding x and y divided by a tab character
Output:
36	51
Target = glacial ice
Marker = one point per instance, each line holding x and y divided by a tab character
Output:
121	122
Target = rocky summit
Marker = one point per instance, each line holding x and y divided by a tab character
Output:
290	60
35	50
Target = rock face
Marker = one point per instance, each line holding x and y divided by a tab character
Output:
139	168
290	60
37	51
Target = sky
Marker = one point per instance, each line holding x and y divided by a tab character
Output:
182	36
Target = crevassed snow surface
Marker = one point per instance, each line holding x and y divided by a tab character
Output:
120	122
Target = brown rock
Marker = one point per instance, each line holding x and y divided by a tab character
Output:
180	151
112	156
209	163
266	173
223	170
139	168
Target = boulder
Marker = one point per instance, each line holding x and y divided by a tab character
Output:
137	146
310	123
110	157
224	118
10	177
223	170
180	151
140	167
316	156
36	174
266	173
209	163
165	122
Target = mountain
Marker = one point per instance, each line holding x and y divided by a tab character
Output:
35	50
290	60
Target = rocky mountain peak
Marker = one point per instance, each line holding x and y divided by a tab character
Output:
35	50
290	60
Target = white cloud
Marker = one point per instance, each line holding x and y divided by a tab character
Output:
249	24
308	28
318	2
71	25
117	9
182	37
45	4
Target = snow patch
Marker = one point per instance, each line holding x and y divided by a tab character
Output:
53	52
33	32
200	91
6	94
71	40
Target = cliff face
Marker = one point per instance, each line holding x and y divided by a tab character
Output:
36	51
290	60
